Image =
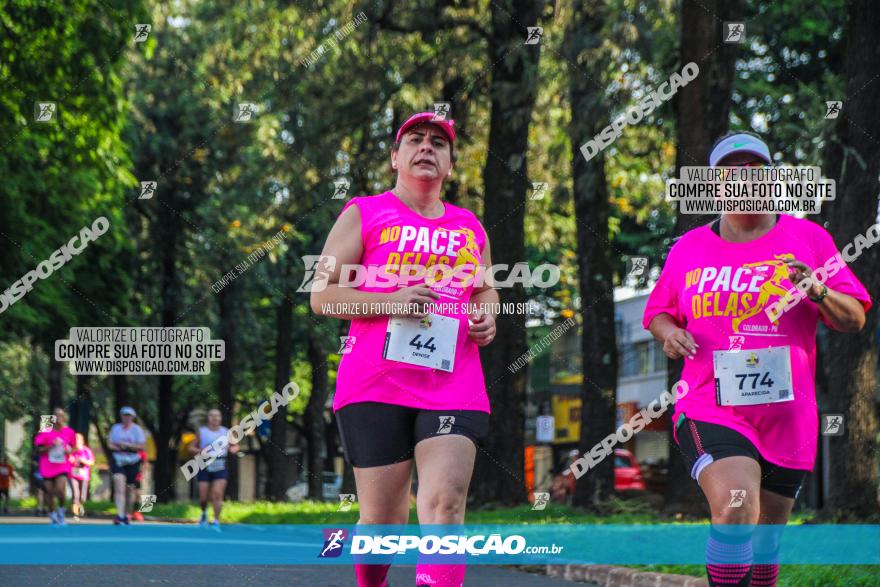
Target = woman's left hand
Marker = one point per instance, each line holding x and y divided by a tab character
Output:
482	328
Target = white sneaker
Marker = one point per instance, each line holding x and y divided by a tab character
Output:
215	525
53	519
59	516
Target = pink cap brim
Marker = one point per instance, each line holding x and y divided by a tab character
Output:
446	125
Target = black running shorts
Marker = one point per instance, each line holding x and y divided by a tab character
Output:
375	434
702	443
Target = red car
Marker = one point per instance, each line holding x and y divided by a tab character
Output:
627	476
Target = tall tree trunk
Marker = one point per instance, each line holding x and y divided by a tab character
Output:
314	420
589	114
702	107
226	374
702	110
55	379
498	475
278	463
853	357
165	455
120	392
81	406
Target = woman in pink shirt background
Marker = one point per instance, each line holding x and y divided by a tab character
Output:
422	401
81	462
747	427
55	446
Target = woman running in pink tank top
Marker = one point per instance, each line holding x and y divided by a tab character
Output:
410	385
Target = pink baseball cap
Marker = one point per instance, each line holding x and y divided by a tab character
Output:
446	125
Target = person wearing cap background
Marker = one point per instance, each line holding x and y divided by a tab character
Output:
424	400
126	439
747	424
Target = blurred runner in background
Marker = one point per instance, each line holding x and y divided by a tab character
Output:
55	446
81	461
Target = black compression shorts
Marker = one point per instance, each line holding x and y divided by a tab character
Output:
375	434
702	443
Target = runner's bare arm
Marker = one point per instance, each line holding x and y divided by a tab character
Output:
844	312
344	244
677	342
193	446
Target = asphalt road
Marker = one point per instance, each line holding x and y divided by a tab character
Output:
239	576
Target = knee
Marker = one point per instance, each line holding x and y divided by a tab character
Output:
744	515
447	507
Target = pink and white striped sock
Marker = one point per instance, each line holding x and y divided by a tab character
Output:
729	558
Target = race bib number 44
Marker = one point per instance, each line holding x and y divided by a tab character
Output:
427	342
750	377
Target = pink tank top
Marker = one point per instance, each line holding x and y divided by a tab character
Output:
393	235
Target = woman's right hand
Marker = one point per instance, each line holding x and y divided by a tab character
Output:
416	298
679	343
